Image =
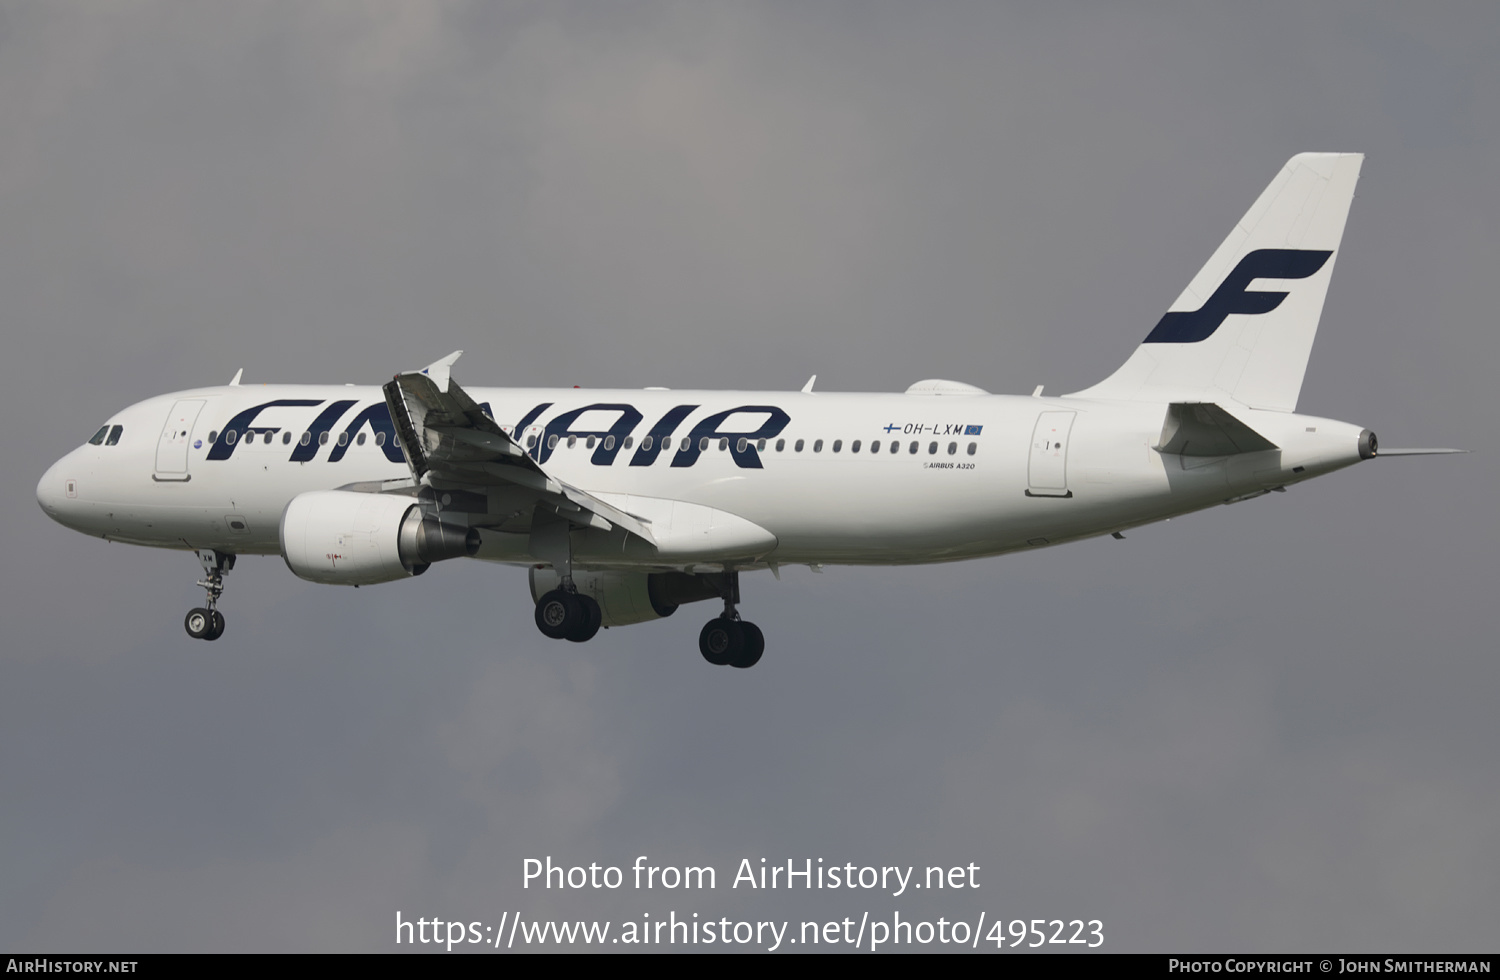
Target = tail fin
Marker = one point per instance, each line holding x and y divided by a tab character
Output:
1223	340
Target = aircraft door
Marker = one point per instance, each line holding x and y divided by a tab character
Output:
1047	472
176	437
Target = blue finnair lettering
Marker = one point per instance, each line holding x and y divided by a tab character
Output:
629	417
655	440
1232	298
224	447
562	427
531	416
714	428
748	458
321	424
379	417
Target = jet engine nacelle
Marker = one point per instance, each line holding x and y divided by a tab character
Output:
629	597
343	538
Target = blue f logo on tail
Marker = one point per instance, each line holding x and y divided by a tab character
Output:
1231	298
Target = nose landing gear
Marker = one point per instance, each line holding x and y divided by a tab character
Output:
208	623
204	624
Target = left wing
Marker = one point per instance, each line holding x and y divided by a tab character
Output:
451	444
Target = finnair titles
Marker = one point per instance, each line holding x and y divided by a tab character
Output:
625	505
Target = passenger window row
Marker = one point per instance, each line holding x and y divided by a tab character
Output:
912	448
743	444
110	435
230	436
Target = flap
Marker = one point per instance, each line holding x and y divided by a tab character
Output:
450	442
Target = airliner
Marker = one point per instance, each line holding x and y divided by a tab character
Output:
625	504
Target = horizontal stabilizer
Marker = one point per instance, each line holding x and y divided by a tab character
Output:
1205	429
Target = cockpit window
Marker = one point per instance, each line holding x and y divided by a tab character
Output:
114	435
98	439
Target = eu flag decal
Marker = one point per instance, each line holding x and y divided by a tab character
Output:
972	430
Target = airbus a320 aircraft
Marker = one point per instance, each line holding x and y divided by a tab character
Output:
626	504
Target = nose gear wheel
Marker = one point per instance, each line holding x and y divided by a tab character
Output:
207	623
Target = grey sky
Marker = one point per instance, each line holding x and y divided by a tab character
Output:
1265	727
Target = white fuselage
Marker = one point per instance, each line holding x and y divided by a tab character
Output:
954	476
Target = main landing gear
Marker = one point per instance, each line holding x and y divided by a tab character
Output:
208	623
729	640
566	614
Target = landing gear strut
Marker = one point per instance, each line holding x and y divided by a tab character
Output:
208	623
729	640
564	613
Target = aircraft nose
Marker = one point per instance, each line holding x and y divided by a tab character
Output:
52	491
